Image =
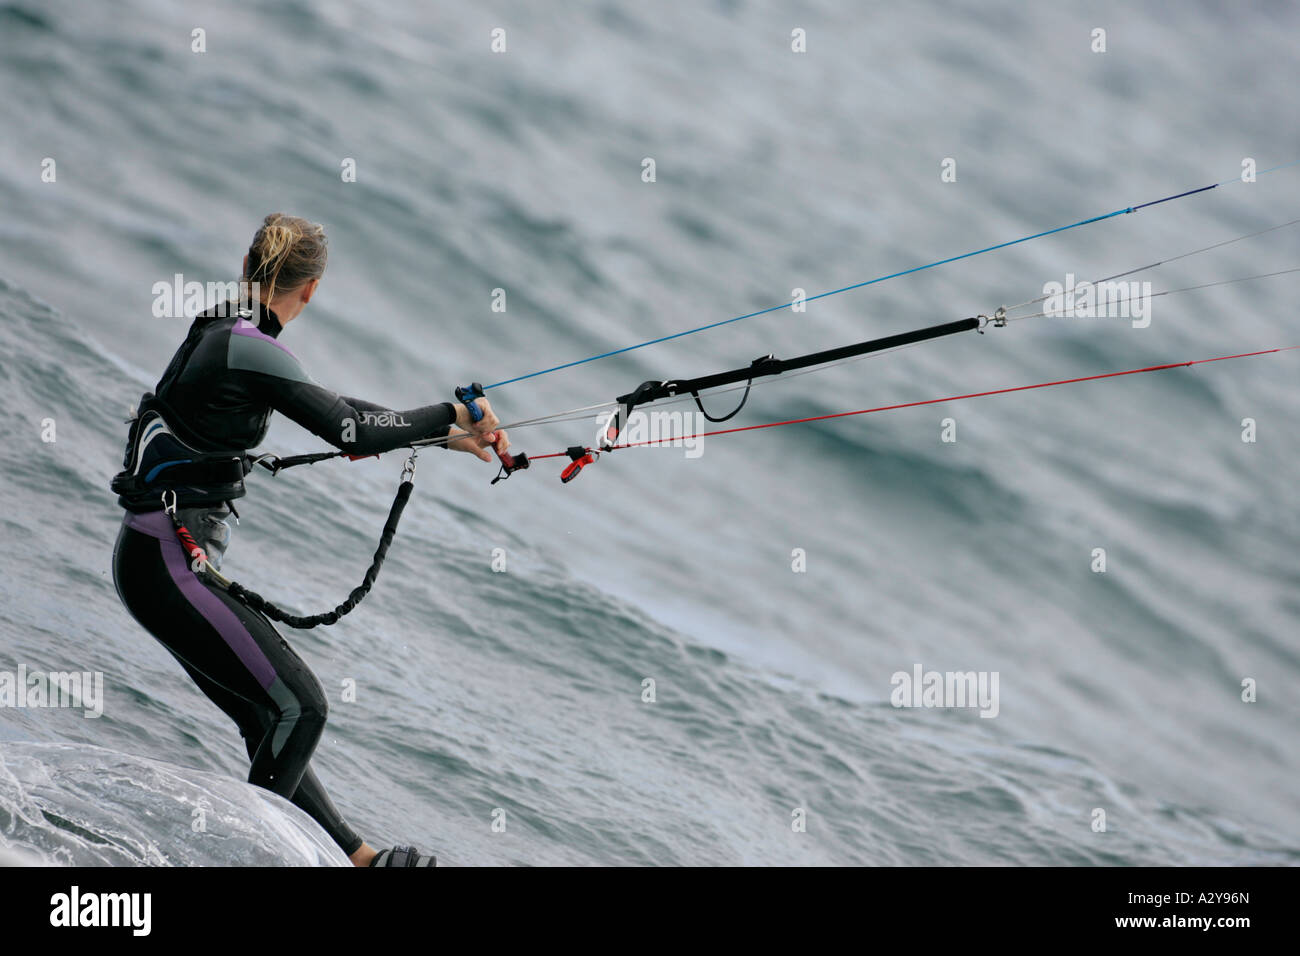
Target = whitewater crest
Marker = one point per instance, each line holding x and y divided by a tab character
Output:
77	805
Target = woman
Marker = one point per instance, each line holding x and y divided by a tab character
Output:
186	454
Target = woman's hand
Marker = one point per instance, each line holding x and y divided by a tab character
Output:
484	426
478	445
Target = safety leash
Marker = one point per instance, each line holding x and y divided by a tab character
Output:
253	600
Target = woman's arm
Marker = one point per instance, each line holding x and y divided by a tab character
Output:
360	427
274	375
353	425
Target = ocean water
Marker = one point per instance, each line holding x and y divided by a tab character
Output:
516	696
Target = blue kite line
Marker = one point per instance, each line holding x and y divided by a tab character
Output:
892	275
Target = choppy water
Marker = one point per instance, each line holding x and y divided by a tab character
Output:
521	691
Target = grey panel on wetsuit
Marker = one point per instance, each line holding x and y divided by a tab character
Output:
251	354
290	711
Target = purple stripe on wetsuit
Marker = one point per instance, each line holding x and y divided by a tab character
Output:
158	525
244	327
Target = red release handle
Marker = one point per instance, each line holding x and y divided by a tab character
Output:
576	466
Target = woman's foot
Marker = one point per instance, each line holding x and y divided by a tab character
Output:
402	856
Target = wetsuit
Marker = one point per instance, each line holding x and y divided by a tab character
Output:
218	392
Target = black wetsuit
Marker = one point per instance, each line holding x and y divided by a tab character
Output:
221	387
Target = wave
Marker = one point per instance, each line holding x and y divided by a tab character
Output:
64	804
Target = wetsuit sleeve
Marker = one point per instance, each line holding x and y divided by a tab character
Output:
359	429
276	376
361	405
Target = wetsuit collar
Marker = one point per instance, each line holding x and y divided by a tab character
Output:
268	322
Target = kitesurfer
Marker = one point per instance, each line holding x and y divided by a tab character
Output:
185	461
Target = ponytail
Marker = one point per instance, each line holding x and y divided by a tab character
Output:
287	252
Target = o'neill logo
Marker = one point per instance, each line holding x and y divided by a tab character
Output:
383	419
102	909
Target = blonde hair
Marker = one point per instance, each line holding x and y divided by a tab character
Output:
286	252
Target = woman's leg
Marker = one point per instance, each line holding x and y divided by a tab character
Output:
312	799
253	723
237	658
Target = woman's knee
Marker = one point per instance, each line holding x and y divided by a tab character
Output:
315	712
312	708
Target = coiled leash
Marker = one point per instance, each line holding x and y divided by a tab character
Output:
253	600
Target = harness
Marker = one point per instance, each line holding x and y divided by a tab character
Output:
161	456
162	469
